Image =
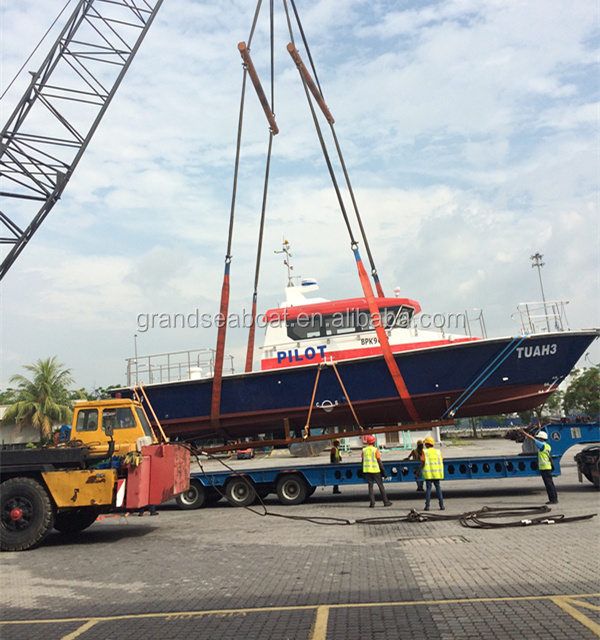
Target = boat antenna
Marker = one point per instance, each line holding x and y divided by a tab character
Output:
537	262
287	262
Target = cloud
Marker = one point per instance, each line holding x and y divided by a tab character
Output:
469	130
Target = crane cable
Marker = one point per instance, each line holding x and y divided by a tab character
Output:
10	84
380	330
363	232
215	407
252	328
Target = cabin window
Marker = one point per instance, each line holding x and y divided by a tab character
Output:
121	418
397	317
87	420
144	421
307	326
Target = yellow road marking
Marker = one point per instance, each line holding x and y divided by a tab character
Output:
311	607
319	630
566	604
579	603
82	629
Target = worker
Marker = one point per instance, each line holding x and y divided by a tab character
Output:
416	454
151	508
432	470
545	464
373	470
335	458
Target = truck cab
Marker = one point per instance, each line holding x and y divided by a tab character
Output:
125	419
112	460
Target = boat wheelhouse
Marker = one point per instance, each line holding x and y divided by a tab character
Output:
306	331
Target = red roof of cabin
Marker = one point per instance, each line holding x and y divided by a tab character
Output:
338	306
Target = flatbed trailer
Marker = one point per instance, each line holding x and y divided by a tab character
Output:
294	484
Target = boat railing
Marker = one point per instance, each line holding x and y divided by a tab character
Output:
469	321
475	323
193	364
542	317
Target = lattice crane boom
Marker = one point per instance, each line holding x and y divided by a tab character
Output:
48	132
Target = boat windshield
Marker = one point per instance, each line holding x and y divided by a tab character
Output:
317	325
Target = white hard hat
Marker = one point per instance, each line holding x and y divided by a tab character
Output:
541	435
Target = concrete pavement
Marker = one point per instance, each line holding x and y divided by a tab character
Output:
272	573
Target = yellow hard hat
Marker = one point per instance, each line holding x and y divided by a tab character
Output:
419	442
429	440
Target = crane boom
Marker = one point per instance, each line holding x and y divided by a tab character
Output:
48	132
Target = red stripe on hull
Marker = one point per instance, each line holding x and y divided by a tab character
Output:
385	411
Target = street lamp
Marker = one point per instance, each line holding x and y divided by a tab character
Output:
537	262
136	358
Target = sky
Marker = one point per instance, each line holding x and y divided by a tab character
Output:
469	129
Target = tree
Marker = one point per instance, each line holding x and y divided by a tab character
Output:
8	396
583	394
550	408
44	399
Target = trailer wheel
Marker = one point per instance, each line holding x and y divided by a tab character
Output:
26	512
194	498
76	520
240	492
292	489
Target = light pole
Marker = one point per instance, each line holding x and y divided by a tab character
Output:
537	262
136	357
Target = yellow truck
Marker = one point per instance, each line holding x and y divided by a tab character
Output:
112	460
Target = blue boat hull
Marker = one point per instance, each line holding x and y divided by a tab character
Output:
457	380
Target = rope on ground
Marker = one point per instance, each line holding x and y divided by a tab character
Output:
478	519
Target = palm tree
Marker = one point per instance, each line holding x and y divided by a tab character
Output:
43	400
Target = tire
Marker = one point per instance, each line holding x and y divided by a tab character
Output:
292	489
194	498
27	514
76	520
240	492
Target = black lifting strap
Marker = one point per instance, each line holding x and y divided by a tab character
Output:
252	328
318	93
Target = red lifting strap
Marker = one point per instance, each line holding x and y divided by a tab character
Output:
252	332
215	408
383	340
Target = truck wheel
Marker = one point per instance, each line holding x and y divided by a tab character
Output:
26	512
292	489
240	492
76	520
194	498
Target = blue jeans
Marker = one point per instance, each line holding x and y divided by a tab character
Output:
549	484
438	491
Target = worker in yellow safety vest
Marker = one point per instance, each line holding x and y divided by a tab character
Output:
373	470
335	458
545	464
432	471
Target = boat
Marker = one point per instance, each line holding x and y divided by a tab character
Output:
361	362
322	365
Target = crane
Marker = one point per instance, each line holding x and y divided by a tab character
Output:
53	123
